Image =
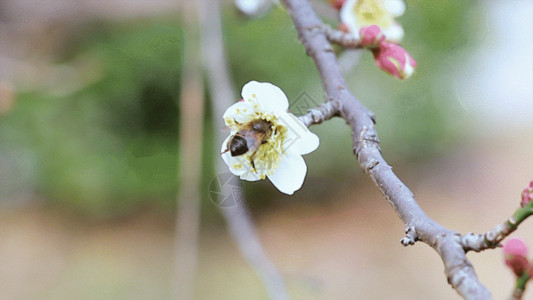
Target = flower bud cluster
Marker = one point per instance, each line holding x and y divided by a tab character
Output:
373	23
527	195
389	57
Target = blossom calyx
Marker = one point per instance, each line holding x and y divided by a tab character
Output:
371	36
394	60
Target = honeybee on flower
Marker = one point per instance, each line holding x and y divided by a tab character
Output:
265	139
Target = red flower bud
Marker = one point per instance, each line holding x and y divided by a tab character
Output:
371	36
527	195
515	254
394	60
337	4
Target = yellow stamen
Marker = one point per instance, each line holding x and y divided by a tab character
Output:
371	12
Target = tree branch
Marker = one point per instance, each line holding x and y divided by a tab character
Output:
493	237
339	37
458	269
321	113
191	116
237	217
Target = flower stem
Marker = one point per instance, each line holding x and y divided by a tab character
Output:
520	286
520	215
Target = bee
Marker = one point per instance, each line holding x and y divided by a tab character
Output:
248	139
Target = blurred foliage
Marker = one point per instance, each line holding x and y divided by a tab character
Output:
105	141
109	146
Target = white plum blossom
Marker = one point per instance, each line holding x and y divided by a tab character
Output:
278	155
358	13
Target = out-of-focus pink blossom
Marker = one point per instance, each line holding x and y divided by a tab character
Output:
394	60
527	195
371	36
515	255
337	4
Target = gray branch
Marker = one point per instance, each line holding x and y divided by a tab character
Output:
446	243
321	113
191	126
237	217
488	240
339	37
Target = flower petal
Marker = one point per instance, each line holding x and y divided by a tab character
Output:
299	140
393	33
240	112
290	174
395	7
347	17
253	8
250	176
270	97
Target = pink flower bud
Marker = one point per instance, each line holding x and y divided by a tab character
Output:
394	60
515	254
371	36
527	195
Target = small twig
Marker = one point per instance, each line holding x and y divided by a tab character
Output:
237	217
321	113
340	37
492	238
488	240
410	237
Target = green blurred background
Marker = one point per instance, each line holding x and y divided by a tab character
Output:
89	145
103	141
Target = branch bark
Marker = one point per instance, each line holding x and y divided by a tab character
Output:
237	217
493	237
321	113
445	242
191	127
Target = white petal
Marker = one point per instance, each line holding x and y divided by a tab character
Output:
394	33
224	146
253	8
347	17
299	139
395	7
407	70
241	112
270	97
250	176
290	174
